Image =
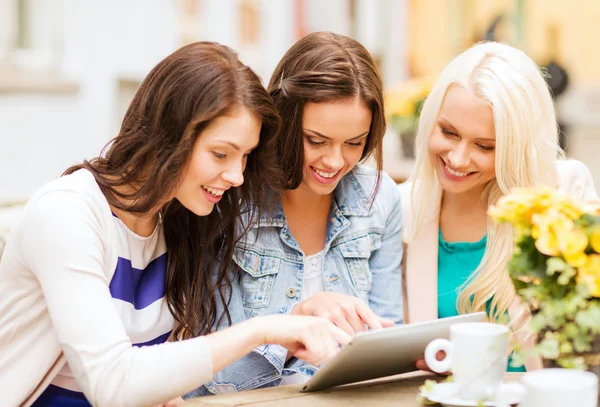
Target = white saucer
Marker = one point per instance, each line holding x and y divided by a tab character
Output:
446	393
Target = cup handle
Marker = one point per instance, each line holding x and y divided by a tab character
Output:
438	366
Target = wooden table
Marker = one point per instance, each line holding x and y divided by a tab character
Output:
396	391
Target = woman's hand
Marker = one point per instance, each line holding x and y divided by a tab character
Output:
348	313
172	403
312	339
422	365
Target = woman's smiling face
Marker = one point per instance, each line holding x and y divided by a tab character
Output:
462	143
335	134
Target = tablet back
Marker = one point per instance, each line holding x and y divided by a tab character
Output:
384	352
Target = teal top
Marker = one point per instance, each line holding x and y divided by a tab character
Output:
456	262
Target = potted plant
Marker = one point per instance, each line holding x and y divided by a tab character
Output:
556	271
403	106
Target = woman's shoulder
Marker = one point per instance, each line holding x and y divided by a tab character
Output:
367	176
65	213
575	179
73	195
571	167
387	194
366	192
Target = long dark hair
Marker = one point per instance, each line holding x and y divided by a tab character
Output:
324	67
174	104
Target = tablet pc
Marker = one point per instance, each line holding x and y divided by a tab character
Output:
384	352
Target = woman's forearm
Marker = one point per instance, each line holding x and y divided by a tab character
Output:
232	343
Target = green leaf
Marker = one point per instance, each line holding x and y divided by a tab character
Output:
582	344
572	363
403	124
566	275
589	319
555	264
428	386
588	220
571	330
517	359
538	322
549	348
566	347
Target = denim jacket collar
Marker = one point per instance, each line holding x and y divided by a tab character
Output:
350	200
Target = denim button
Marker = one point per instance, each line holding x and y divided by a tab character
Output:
290	292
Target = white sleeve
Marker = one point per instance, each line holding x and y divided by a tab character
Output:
588	188
62	243
576	180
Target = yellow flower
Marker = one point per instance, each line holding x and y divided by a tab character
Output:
576	260
547	244
570	210
520	204
400	106
552	231
595	240
512	207
496	212
535	232
554	219
402	100
590	274
572	242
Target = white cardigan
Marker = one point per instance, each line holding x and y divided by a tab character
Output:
421	255
56	306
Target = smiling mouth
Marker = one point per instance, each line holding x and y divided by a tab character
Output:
324	174
454	172
213	191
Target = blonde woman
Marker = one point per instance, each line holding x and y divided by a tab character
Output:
488	125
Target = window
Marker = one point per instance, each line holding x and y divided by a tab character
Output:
31	43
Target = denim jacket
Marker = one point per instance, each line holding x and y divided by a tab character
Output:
363	251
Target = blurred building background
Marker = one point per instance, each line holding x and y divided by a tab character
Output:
68	68
558	34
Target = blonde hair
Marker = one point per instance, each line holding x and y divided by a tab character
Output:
527	150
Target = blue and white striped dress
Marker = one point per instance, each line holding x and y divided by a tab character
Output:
138	291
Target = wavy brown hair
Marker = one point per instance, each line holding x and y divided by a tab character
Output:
324	67
174	104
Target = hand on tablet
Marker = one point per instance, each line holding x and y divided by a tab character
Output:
349	313
312	339
422	365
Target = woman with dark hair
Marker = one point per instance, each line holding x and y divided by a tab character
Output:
114	255
331	245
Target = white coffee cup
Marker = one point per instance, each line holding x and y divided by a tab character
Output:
557	388
477	354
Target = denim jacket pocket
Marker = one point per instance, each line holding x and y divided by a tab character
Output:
258	277
357	253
